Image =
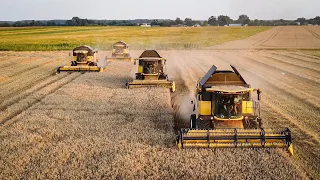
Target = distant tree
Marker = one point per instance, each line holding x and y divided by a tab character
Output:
205	23
212	21
76	21
84	22
317	20
243	19
155	23
255	22
224	20
92	22
178	21
314	21
167	23
4	24
51	23
302	21
189	22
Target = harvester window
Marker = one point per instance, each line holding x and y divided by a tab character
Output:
119	49
81	57
150	67
228	106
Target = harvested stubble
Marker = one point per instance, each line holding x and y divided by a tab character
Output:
21	70
95	128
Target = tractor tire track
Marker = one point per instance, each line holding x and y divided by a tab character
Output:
295	79
272	36
31	90
9	62
303	68
299	72
311	63
22	70
312	33
34	98
312	58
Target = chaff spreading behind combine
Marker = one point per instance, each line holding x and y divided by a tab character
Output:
226	115
151	71
83	59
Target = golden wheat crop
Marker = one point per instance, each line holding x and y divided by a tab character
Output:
93	127
66	38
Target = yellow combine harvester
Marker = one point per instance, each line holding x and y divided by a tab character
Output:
120	51
151	71
226	115
83	59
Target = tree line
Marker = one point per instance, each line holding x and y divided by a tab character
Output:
221	20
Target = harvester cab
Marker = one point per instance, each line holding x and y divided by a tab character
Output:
151	71
120	51
83	59
227	115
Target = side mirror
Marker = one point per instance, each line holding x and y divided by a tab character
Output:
259	94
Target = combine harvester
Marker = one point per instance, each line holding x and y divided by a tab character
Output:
83	59
120	51
227	116
151	72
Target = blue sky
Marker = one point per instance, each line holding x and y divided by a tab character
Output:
156	9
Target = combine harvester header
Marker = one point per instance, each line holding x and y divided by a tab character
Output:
83	59
226	115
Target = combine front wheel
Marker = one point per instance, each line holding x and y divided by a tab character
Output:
250	123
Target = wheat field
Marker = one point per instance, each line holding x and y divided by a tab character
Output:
89	126
66	38
92	127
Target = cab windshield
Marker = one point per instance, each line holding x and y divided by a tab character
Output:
81	57
228	106
119	49
150	67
